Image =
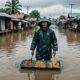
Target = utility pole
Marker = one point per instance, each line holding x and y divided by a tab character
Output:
27	10
71	7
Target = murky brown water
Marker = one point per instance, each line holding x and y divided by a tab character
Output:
14	46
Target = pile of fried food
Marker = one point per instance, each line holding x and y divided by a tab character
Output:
28	63
40	64
53	64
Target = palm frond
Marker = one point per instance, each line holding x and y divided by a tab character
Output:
13	6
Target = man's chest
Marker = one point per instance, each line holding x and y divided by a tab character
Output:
44	37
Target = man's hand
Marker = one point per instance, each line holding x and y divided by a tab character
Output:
32	53
54	53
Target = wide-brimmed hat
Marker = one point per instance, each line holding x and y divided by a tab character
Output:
44	20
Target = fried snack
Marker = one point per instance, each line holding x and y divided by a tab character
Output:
40	64
53	64
27	63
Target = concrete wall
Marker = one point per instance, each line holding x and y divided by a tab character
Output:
2	21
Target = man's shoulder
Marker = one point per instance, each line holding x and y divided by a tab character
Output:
37	31
51	31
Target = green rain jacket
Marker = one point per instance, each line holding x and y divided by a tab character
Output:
44	42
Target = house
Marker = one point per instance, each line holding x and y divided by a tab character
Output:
18	22
32	22
74	20
24	24
19	16
73	15
10	23
4	22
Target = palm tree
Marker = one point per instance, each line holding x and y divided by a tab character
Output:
13	6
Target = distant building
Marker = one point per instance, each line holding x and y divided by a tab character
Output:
18	22
74	19
19	16
4	21
74	15
9	23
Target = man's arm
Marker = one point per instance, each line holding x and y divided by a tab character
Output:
54	43
33	44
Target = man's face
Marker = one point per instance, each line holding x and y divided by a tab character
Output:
44	24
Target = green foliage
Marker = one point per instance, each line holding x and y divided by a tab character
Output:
62	17
34	14
2	10
13	6
26	16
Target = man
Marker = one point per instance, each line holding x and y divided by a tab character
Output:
44	41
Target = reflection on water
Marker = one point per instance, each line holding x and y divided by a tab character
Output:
41	74
17	45
72	37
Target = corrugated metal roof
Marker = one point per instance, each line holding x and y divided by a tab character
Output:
31	19
4	15
74	15
18	15
15	19
19	20
12	17
24	21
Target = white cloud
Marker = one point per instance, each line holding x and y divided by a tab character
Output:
54	10
49	7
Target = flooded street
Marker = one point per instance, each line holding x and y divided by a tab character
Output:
14	46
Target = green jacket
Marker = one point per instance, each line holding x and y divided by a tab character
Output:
44	41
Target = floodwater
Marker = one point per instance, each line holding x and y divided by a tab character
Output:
15	46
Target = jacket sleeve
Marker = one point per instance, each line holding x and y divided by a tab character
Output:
54	41
34	42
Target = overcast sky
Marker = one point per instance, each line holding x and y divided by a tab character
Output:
49	8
